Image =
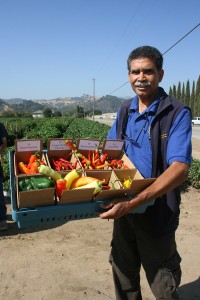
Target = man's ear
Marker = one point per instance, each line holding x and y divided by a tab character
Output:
161	74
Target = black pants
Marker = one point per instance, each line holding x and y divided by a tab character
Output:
131	248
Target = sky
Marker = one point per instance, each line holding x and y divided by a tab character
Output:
62	48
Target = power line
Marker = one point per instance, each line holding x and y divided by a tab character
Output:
181	38
163	53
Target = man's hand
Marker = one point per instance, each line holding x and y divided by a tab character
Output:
116	209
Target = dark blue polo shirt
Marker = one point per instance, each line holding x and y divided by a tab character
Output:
137	137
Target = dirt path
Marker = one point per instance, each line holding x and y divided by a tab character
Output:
70	261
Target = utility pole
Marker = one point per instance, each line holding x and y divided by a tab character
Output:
93	95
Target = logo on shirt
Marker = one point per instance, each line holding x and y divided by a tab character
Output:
163	135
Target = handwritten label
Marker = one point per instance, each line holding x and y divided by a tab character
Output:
58	145
25	146
113	145
88	144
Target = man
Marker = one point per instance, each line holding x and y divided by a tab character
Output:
3	209
157	133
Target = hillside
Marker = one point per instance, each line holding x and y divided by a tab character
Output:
105	104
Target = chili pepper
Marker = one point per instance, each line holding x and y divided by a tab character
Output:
82	157
96	154
33	158
41	182
106	187
34	167
102	166
89	155
60	186
103	158
23	168
56	165
70	145
127	183
125	167
45	170
66	162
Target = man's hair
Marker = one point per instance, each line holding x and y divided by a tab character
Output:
146	51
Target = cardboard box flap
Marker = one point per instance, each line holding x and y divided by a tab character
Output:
110	194
24	149
36	198
137	186
124	174
114	148
76	196
84	145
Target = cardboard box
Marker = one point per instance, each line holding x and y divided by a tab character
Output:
34	198
138	182
114	149
56	149
86	194
86	145
75	196
110	179
24	149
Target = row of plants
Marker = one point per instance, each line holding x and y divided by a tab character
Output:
66	128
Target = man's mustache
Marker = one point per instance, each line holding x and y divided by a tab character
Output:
142	84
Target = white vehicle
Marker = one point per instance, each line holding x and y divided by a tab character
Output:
196	121
113	117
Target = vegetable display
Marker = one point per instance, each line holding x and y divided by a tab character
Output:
95	159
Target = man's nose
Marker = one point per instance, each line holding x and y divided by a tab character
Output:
141	76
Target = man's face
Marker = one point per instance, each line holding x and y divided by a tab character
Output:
144	77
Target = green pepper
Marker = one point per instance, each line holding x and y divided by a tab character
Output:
41	183
25	184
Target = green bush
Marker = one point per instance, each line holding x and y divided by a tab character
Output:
67	127
194	174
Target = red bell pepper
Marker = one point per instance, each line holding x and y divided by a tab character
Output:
60	186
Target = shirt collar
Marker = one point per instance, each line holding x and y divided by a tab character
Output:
152	108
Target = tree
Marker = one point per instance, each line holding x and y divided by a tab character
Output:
57	114
192	99
170	91
187	93
47	112
178	92
174	90
183	92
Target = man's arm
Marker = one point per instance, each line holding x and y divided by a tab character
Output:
176	174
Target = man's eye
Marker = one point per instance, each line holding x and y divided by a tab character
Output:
148	71
135	72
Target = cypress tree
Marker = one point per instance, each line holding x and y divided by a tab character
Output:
183	92
197	99
174	91
178	92
187	94
192	99
170	91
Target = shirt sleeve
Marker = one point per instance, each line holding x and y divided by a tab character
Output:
112	134
179	142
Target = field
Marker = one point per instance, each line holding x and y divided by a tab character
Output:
71	261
